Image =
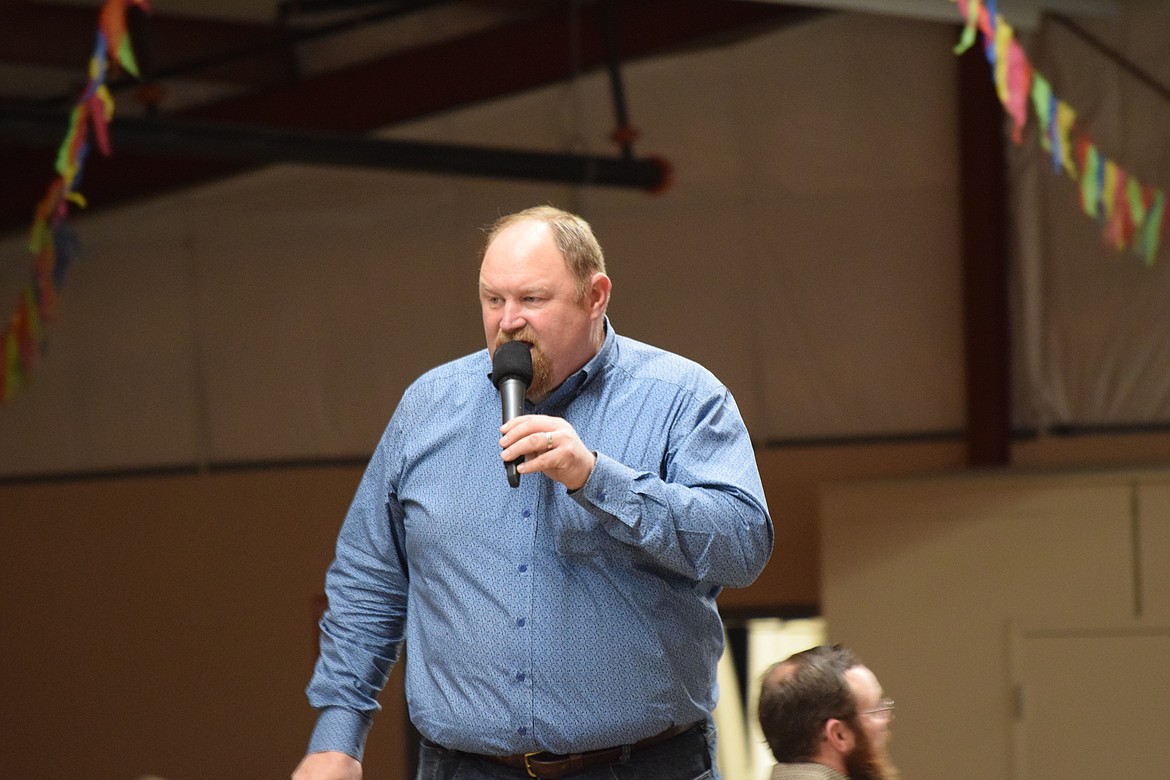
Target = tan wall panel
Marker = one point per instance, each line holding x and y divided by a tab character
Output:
927	578
165	625
1153	564
791	476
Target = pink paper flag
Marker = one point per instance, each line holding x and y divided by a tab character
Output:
1018	88
99	112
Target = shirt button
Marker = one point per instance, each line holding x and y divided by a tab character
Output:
522	730
526	514
601	496
522	567
520	622
520	677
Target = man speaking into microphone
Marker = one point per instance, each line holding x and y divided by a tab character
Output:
562	623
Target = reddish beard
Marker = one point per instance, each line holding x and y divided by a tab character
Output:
866	761
541	370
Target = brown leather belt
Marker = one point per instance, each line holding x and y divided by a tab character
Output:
550	766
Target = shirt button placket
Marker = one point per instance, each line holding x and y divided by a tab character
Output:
522	677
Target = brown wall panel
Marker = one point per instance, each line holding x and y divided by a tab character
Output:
166	624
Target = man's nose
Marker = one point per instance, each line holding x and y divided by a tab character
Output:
513	317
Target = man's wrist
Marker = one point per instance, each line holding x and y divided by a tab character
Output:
588	474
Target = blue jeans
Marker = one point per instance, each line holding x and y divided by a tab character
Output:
689	756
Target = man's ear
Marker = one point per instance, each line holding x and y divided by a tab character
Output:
839	735
599	288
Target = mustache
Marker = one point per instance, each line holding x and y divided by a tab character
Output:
541	367
521	335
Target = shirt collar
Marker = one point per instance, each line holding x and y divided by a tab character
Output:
806	771
588	372
582	376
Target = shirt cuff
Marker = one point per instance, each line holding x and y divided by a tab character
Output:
342	730
608	488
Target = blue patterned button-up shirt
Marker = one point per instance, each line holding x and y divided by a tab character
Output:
538	619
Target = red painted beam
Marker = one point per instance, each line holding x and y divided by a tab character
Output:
508	59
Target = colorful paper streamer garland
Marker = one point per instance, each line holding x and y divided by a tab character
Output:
51	241
1131	213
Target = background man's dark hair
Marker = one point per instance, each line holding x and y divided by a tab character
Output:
799	694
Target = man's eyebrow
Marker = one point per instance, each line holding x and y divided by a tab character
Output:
541	290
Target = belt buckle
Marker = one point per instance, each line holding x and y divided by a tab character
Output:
527	766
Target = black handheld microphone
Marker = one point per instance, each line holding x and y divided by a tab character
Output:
511	374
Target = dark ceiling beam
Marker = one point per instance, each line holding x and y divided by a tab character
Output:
50	35
526	54
262	145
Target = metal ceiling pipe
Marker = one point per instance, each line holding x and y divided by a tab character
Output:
33	127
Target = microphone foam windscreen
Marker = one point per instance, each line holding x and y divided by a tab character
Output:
512	359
